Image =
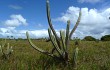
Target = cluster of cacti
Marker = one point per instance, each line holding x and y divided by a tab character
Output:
60	45
5	50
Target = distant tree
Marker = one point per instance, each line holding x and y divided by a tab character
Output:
12	37
105	38
89	38
8	37
20	39
76	38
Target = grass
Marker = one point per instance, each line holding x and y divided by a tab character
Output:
92	56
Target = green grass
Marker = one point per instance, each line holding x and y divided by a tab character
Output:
92	56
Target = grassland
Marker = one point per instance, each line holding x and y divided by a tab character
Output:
92	56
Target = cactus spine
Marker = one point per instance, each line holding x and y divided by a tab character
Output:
61	48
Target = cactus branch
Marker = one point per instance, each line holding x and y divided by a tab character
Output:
36	48
67	34
75	57
5	55
50	22
1	50
62	35
77	23
2	46
3	43
52	38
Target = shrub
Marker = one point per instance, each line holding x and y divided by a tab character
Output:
105	38
89	38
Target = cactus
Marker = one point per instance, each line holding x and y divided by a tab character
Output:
60	47
5	53
75	57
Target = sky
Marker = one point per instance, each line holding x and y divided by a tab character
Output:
19	16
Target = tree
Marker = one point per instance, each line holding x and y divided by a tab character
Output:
12	37
89	38
105	38
8	37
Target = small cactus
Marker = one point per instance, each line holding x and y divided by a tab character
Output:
75	57
5	52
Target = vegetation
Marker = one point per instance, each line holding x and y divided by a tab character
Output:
105	38
65	54
89	38
92	56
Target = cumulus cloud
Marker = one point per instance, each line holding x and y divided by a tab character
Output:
16	20
93	22
89	1
38	33
11	31
16	7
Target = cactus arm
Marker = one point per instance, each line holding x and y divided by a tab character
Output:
2	46
52	38
62	35
75	57
9	49
67	33
3	43
50	23
1	50
77	23
36	48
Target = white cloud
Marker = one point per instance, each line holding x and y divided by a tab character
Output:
90	1
38	33
93	22
16	7
11	31
16	20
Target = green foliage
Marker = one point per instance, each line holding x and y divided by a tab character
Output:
59	45
105	38
89	38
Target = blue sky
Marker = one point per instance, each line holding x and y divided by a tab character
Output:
19	16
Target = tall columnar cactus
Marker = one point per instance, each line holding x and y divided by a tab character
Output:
5	52
60	47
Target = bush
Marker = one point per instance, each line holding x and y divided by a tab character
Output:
105	38
89	38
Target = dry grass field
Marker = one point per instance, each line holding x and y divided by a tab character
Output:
92	56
